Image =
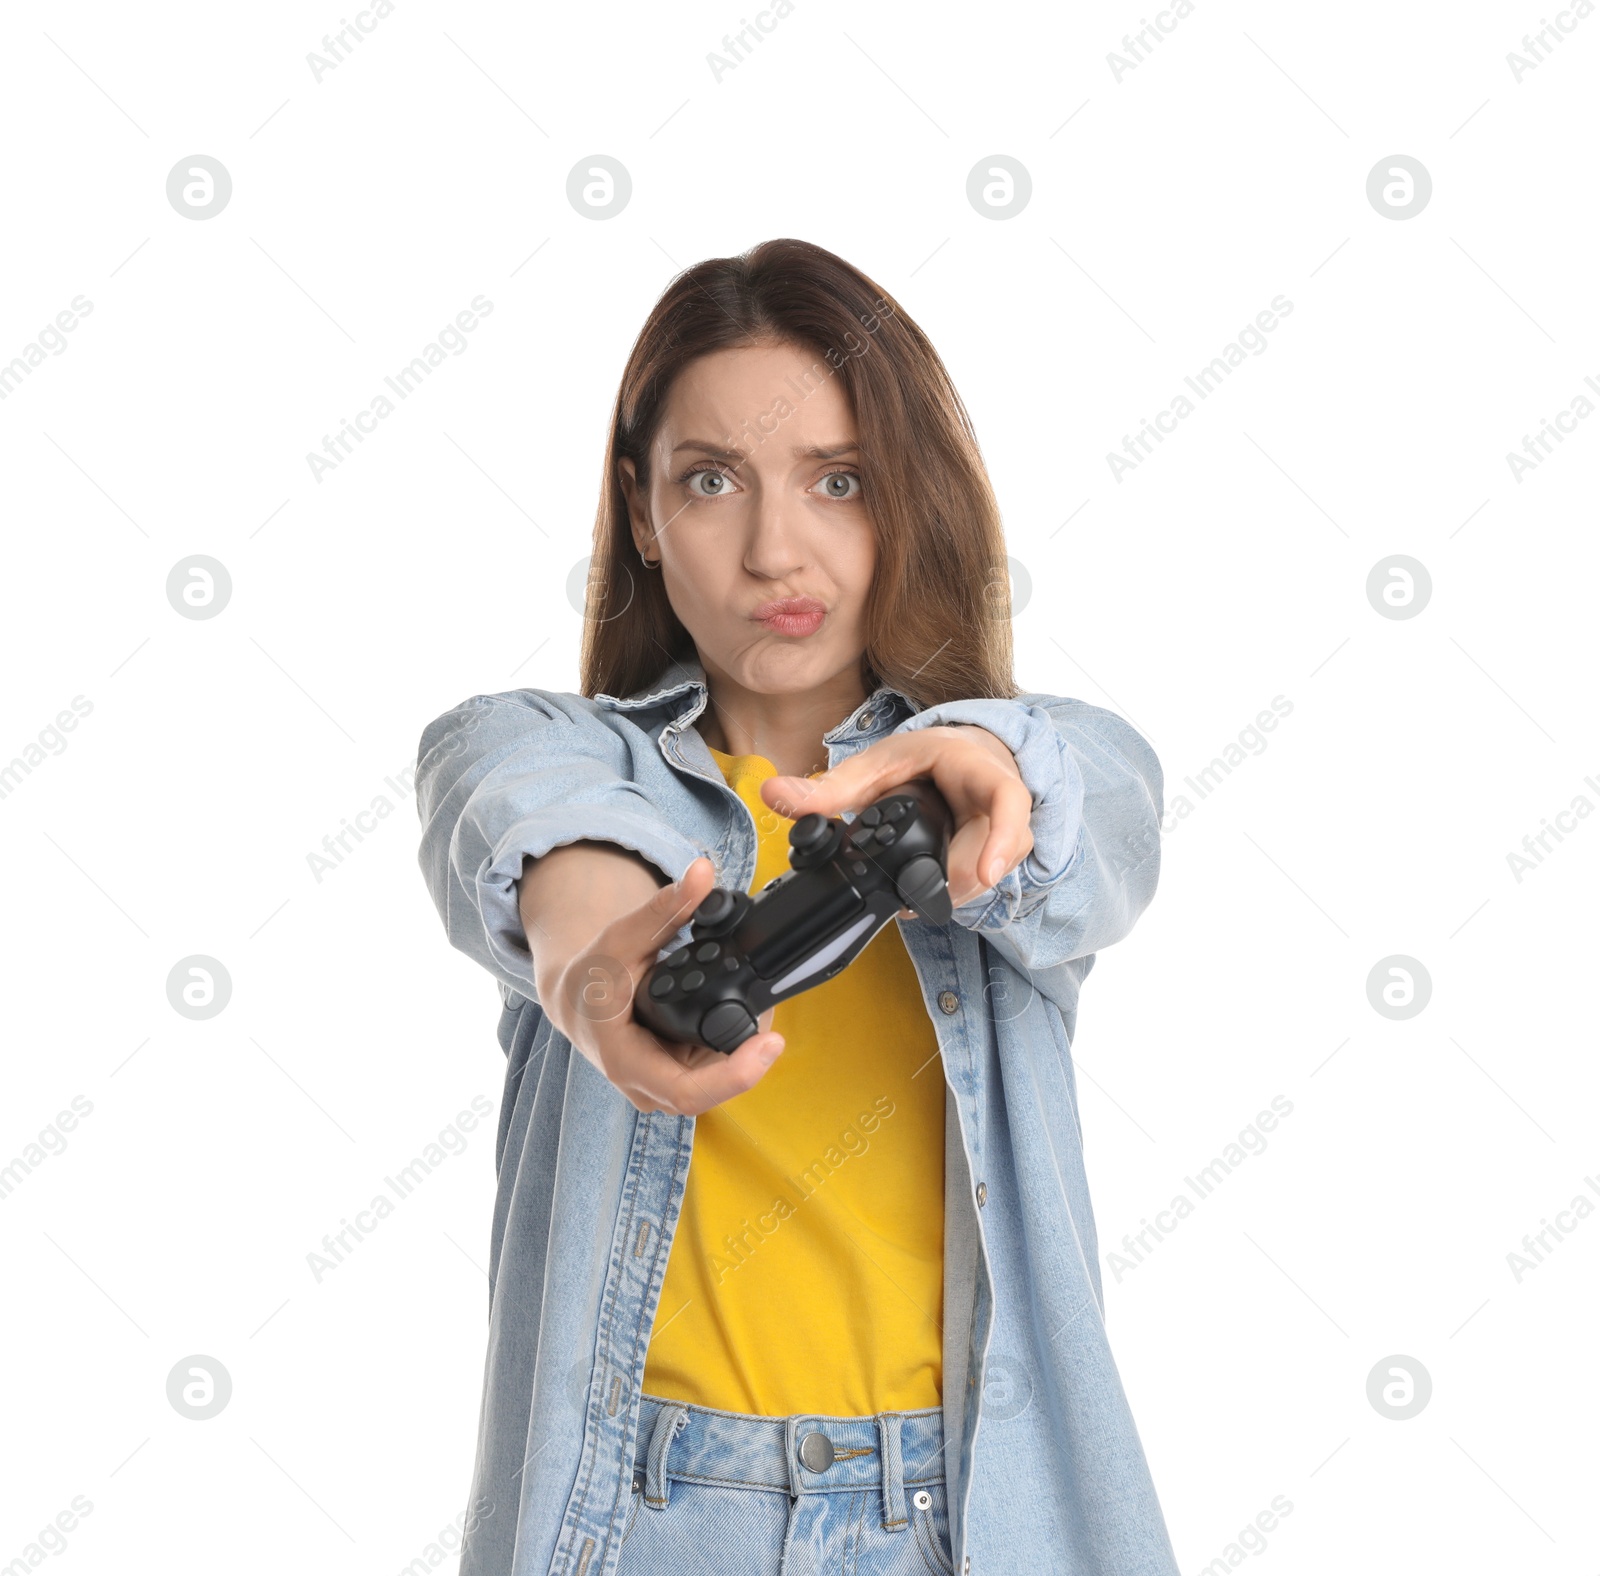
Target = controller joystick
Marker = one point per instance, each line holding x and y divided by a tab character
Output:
719	911
813	840
846	881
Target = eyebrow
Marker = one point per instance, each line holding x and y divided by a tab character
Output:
735	456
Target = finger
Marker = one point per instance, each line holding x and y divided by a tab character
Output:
858	781
685	1079
1010	833
961	862
986	849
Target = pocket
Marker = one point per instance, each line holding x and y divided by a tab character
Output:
633	1513
932	1528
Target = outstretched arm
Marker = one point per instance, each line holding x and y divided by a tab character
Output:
503	779
1082	854
550	868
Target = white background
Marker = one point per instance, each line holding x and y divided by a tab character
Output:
1168	208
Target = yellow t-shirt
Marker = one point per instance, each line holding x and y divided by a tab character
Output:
807	1272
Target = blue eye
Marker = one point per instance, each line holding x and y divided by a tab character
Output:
841	484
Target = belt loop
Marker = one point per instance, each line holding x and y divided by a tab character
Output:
894	1488
669	1420
791	1452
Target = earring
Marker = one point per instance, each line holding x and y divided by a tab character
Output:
649	563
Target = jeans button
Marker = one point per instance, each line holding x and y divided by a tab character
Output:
865	721
948	1001
922	1499
816	1452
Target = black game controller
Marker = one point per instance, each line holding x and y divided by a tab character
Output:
847	881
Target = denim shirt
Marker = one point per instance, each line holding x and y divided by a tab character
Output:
1043	1464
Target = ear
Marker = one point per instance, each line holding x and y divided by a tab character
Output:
638	505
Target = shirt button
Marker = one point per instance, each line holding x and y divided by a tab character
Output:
865	721
948	1001
983	1193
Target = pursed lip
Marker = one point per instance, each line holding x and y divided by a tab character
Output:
792	617
789	607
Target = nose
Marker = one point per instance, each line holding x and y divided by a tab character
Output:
775	545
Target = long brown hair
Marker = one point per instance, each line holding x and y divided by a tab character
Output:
938	614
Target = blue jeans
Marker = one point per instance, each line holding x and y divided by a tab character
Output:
728	1494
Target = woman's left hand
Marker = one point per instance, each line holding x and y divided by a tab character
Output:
974	771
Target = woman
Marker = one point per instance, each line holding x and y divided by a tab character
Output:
810	1306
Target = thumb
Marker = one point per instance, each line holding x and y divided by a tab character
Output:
598	984
641	934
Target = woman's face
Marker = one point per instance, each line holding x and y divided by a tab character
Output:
755	513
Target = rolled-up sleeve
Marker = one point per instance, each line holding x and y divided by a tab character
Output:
501	779
1096	787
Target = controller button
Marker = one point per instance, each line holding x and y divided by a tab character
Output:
858	867
921	885
861	836
871	815
730	965
895	809
727	1026
679	958
885	834
707	952
693	980
661	986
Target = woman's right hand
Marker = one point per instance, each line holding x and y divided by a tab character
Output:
590	1000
